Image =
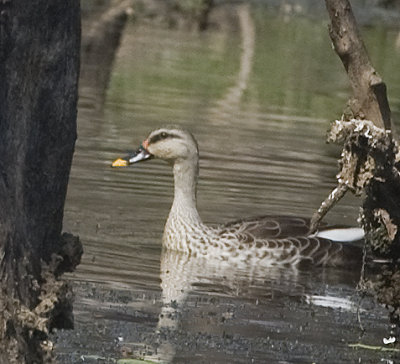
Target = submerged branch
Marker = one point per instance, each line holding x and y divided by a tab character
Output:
372	347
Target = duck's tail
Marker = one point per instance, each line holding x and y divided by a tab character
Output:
341	235
334	246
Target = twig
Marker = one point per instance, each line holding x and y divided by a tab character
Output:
335	196
372	347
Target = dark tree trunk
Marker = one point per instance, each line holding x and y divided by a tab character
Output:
39	67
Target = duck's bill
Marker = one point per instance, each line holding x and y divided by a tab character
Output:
140	155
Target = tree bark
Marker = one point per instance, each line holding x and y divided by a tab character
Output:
39	68
370	160
370	100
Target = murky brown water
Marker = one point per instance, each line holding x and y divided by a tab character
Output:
260	118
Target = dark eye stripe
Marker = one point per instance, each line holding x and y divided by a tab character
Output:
162	136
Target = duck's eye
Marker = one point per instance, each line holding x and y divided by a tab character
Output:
161	136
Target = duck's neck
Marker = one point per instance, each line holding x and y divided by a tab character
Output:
183	218
185	182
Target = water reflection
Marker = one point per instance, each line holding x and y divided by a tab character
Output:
264	290
182	274
263	153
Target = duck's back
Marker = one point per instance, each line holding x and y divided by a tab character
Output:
288	240
271	227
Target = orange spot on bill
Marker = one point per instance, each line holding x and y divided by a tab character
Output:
145	144
119	163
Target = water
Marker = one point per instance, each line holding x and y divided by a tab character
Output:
259	101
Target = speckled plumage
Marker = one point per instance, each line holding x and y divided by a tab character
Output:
250	242
266	241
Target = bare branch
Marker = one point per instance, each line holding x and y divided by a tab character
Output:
334	197
370	99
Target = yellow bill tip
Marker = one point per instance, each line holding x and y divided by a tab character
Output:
119	163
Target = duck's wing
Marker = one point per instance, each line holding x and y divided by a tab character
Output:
286	240
270	227
300	251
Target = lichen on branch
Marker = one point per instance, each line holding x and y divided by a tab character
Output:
368	151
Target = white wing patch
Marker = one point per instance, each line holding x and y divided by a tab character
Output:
342	235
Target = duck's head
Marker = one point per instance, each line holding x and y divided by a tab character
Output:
169	144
